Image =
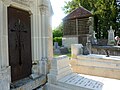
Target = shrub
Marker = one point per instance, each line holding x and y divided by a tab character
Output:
58	39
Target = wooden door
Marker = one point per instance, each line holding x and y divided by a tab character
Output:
19	40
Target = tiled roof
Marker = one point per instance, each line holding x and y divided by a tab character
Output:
80	12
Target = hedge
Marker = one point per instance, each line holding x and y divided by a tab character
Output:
58	39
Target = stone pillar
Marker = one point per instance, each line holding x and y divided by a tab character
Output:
111	40
50	39
5	78
36	40
1	29
40	36
44	11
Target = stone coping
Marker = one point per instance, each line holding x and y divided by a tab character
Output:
107	47
96	56
60	57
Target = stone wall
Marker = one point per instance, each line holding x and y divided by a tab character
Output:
98	65
67	41
112	50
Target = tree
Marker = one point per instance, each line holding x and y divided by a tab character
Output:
118	17
105	13
57	34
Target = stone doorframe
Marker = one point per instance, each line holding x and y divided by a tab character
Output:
41	37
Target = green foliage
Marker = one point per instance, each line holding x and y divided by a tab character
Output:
105	13
57	34
58	39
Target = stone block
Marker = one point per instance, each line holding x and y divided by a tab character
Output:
76	49
60	71
52	78
77	82
5	79
60	62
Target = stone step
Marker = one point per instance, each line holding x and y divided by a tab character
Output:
28	83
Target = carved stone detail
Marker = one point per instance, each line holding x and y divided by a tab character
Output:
7	2
43	8
24	2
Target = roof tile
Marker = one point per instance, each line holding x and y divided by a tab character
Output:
80	12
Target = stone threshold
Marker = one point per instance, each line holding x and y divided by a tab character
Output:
29	83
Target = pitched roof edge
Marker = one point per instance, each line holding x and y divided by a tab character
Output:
75	10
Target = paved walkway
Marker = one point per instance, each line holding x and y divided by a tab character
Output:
109	84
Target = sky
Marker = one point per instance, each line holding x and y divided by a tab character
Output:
58	12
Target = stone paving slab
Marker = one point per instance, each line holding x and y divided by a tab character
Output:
76	81
108	83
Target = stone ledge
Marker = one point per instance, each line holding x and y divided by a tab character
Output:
29	84
97	62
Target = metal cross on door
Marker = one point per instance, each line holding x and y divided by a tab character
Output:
19	40
18	29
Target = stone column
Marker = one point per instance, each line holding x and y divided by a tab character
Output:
46	16
37	40
44	33
40	36
1	29
50	39
4	61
